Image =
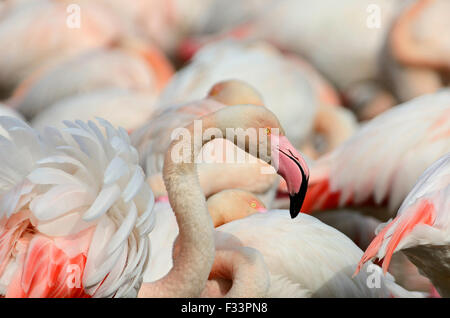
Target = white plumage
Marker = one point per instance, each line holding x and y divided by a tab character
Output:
67	186
162	239
305	257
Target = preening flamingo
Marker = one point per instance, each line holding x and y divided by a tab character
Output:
421	228
382	161
75	212
193	263
294	97
131	65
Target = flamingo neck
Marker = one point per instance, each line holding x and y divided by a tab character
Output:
193	262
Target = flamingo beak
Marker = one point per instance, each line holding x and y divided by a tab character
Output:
292	167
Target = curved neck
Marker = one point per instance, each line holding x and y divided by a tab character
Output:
193	262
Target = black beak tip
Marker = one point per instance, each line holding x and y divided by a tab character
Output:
295	205
296	199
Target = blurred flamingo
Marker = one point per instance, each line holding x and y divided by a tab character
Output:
380	164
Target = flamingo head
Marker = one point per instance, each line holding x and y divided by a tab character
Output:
233	204
268	143
235	92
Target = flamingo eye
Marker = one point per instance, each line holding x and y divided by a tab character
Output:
253	204
214	92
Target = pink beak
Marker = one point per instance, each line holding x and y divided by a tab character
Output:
292	167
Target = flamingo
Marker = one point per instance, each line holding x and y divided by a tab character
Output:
196	240
421	228
110	231
121	107
297	95
382	161
152	138
131	65
42	37
75	212
216	172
